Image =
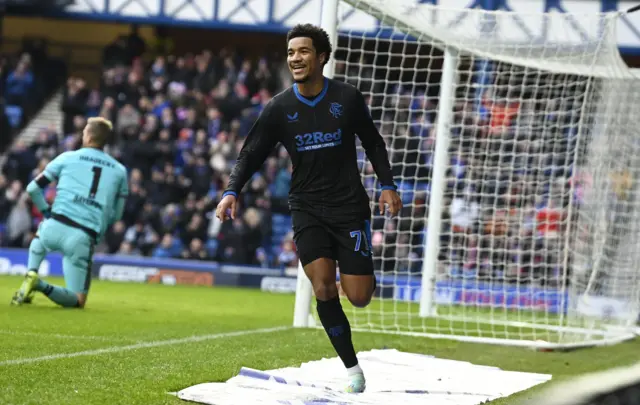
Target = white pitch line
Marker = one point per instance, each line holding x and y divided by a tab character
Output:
142	345
70	337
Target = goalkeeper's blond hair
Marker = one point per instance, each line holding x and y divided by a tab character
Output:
100	130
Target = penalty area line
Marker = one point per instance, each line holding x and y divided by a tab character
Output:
143	345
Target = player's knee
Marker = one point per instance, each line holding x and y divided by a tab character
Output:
36	246
358	289
325	291
359	300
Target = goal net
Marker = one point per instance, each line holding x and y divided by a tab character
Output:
517	161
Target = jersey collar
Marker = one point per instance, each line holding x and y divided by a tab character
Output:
319	97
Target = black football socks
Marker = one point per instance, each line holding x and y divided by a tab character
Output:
337	326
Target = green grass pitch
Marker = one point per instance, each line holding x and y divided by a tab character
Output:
129	322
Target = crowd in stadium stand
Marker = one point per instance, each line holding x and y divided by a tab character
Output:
17	88
180	122
509	178
27	79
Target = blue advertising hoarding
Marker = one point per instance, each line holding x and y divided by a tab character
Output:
480	294
14	262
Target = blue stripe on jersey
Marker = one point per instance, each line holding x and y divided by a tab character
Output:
312	103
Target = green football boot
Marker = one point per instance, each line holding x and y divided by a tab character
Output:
27	290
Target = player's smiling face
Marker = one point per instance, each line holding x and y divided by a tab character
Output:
302	59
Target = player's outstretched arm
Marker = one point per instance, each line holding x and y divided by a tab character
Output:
376	151
259	143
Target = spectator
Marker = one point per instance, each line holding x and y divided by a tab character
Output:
465	212
135	44
19	220
232	247
141	236
288	256
127	249
195	251
74	103
19	85
196	229
128	120
7	199
116	54
5	128
167	248
115	237
20	162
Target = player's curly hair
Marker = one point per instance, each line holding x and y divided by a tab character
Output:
318	36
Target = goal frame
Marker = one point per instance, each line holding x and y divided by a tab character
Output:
303	317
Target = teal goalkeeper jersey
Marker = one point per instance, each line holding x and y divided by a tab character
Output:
89	184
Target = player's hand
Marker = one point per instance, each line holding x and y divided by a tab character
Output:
226	208
392	200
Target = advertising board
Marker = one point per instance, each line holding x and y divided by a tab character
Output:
178	272
454	292
283	285
14	262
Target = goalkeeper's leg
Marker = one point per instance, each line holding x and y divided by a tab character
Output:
77	277
37	253
77	249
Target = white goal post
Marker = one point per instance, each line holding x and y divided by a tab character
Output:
518	162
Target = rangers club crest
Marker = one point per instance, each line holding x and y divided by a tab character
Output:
335	109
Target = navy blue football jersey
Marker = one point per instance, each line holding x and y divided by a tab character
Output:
320	136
